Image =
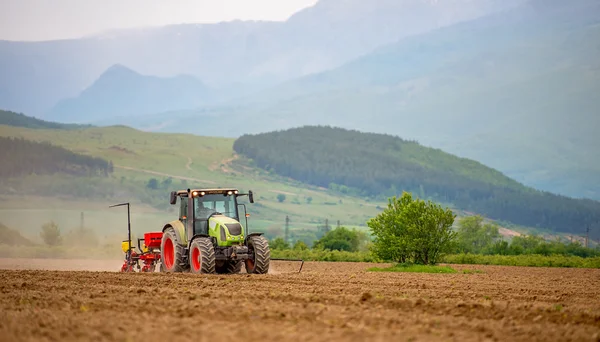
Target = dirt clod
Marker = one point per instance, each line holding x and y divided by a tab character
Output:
366	296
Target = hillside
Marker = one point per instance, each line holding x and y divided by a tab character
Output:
12	237
22	157
21	120
173	161
240	56
375	165
515	90
122	92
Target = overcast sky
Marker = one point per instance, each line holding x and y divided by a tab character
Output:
58	19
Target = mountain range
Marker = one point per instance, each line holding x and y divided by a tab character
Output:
121	92
508	83
239	55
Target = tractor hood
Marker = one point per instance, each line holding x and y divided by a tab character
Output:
226	229
223	221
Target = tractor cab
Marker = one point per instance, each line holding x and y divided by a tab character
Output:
201	208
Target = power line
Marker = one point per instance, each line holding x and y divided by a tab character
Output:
287	228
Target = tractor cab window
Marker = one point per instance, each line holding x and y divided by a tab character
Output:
206	205
183	205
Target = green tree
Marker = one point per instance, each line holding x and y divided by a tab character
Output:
475	236
341	239
300	246
51	234
166	183
281	198
152	184
412	230
279	243
525	244
309	199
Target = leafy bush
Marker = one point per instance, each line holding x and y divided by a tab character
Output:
474	236
341	239
51	234
279	243
300	245
412	230
324	255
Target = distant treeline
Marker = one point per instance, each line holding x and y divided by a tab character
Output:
378	165
20	120
20	157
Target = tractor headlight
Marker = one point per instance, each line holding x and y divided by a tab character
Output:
195	193
230	192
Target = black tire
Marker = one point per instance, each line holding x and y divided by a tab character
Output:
258	247
171	258
230	267
202	256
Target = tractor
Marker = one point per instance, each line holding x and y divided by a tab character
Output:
208	236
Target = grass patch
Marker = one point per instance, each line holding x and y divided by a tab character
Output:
471	271
413	268
532	260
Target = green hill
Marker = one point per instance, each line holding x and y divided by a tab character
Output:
21	120
22	157
515	90
12	237
174	161
382	165
149	165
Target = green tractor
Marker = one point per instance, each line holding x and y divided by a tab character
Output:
208	237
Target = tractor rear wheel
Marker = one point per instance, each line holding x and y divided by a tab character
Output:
170	254
202	256
258	247
230	267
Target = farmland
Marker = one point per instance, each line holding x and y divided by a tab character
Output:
325	302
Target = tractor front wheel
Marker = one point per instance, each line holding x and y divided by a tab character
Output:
258	263
171	257
202	256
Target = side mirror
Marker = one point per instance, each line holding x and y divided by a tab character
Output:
173	198
251	196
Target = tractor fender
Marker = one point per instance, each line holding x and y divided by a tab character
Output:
179	231
251	235
195	236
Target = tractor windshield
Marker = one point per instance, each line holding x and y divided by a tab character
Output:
206	205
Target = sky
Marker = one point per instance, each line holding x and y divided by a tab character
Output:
61	19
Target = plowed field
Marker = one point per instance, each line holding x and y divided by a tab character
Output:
326	302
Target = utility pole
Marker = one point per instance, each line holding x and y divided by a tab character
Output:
587	236
326	226
81	224
338	223
287	228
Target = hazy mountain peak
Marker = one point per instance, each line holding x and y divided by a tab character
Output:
119	69
122	92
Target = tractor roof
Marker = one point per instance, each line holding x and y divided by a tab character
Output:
207	191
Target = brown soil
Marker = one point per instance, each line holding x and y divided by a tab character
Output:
326	302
